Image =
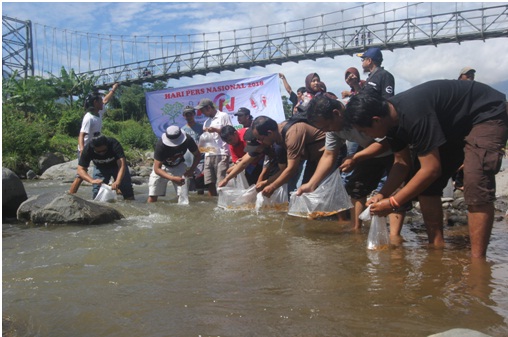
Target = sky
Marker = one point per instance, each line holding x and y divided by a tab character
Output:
409	66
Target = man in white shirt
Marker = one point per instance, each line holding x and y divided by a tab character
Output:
216	164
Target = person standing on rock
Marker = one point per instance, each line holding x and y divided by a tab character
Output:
91	124
109	159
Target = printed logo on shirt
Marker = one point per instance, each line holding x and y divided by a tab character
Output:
389	89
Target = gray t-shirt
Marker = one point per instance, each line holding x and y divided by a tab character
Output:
335	139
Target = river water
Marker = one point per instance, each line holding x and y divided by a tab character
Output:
197	270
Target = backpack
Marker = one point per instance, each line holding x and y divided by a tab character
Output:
298	118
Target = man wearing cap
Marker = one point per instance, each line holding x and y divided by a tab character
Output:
244	117
275	161
169	163
192	128
237	147
467	74
302	141
109	162
216	164
379	79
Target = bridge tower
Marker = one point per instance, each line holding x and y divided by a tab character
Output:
17	47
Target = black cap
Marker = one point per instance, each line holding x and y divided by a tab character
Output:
251	143
242	112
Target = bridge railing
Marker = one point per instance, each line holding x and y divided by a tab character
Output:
260	47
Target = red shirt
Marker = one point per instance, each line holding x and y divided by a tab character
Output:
237	151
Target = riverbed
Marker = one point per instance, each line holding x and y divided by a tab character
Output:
198	270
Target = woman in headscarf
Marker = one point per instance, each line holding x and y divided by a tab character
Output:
352	77
312	84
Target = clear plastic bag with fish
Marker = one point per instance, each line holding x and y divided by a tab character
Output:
329	198
278	201
208	144
237	194
232	198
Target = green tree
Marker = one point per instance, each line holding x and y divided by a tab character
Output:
31	95
133	102
70	85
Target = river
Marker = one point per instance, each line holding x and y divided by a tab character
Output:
197	270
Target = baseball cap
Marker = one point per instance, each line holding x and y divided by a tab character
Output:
251	143
372	53
188	109
173	136
242	112
466	70
204	102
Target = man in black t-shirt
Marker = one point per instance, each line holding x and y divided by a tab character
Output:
446	123
169	164
109	160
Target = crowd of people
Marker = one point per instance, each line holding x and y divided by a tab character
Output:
392	149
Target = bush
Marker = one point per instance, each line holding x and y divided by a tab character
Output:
22	142
70	122
115	114
64	144
136	135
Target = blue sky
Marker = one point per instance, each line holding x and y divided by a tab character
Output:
409	66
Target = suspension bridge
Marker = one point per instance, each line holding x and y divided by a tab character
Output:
34	49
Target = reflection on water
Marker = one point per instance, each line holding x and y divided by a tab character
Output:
197	270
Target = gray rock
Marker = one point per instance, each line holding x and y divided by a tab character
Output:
31	175
13	193
460	204
34	203
58	208
144	171
50	159
460	333
65	171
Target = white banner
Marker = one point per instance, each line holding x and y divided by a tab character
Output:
261	95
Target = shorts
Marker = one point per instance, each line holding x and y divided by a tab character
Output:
215	168
157	185
481	153
484	151
366	175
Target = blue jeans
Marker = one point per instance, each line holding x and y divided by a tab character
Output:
105	173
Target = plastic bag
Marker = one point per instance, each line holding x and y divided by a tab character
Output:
105	194
239	182
183	193
328	199
378	238
232	198
365	215
278	201
207	143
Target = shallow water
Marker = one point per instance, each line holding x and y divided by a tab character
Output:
170	270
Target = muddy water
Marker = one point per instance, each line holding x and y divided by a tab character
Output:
169	270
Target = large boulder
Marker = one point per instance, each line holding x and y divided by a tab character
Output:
13	193
65	171
58	208
50	159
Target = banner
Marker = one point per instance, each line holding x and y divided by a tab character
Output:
261	95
